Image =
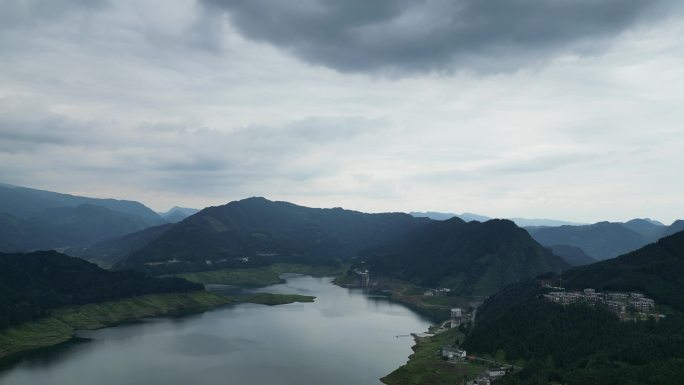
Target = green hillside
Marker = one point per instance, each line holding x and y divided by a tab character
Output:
471	258
33	285
581	344
265	231
108	252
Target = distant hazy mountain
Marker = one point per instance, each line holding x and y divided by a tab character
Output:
651	230
469	257
177	214
433	215
675	227
27	203
601	240
604	240
110	251
34	219
266	231
524	222
469	217
572	255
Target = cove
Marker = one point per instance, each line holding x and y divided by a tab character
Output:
344	337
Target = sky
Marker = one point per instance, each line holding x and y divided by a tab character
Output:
566	109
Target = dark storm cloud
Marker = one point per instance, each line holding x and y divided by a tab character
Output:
434	35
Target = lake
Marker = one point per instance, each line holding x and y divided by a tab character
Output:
344	337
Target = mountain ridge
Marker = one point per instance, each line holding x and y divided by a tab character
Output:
473	258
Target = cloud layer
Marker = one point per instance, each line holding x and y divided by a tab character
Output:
398	36
566	109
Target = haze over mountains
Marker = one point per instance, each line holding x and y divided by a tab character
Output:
493	258
177	214
33	219
582	243
468	217
604	240
473	257
479	255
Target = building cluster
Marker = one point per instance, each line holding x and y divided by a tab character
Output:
490	376
437	292
627	306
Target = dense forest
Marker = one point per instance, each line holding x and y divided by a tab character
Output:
472	258
580	344
31	285
267	231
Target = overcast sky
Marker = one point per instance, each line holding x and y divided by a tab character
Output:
567	109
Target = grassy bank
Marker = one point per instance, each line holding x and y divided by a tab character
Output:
62	323
426	366
278	299
258	277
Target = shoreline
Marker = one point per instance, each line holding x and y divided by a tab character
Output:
61	326
425	365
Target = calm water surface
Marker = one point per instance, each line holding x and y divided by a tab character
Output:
345	337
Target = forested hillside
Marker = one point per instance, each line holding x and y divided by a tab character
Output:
474	257
265	231
579	344
31	285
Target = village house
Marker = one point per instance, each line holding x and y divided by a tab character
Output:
496	373
451	353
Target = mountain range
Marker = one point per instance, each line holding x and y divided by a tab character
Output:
473	258
33	219
177	214
469	217
604	240
256	231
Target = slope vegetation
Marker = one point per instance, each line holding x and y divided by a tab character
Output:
580	344
472	258
32	285
256	231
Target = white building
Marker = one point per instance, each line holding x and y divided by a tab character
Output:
457	317
453	353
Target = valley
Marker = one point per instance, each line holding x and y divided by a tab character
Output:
253	252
